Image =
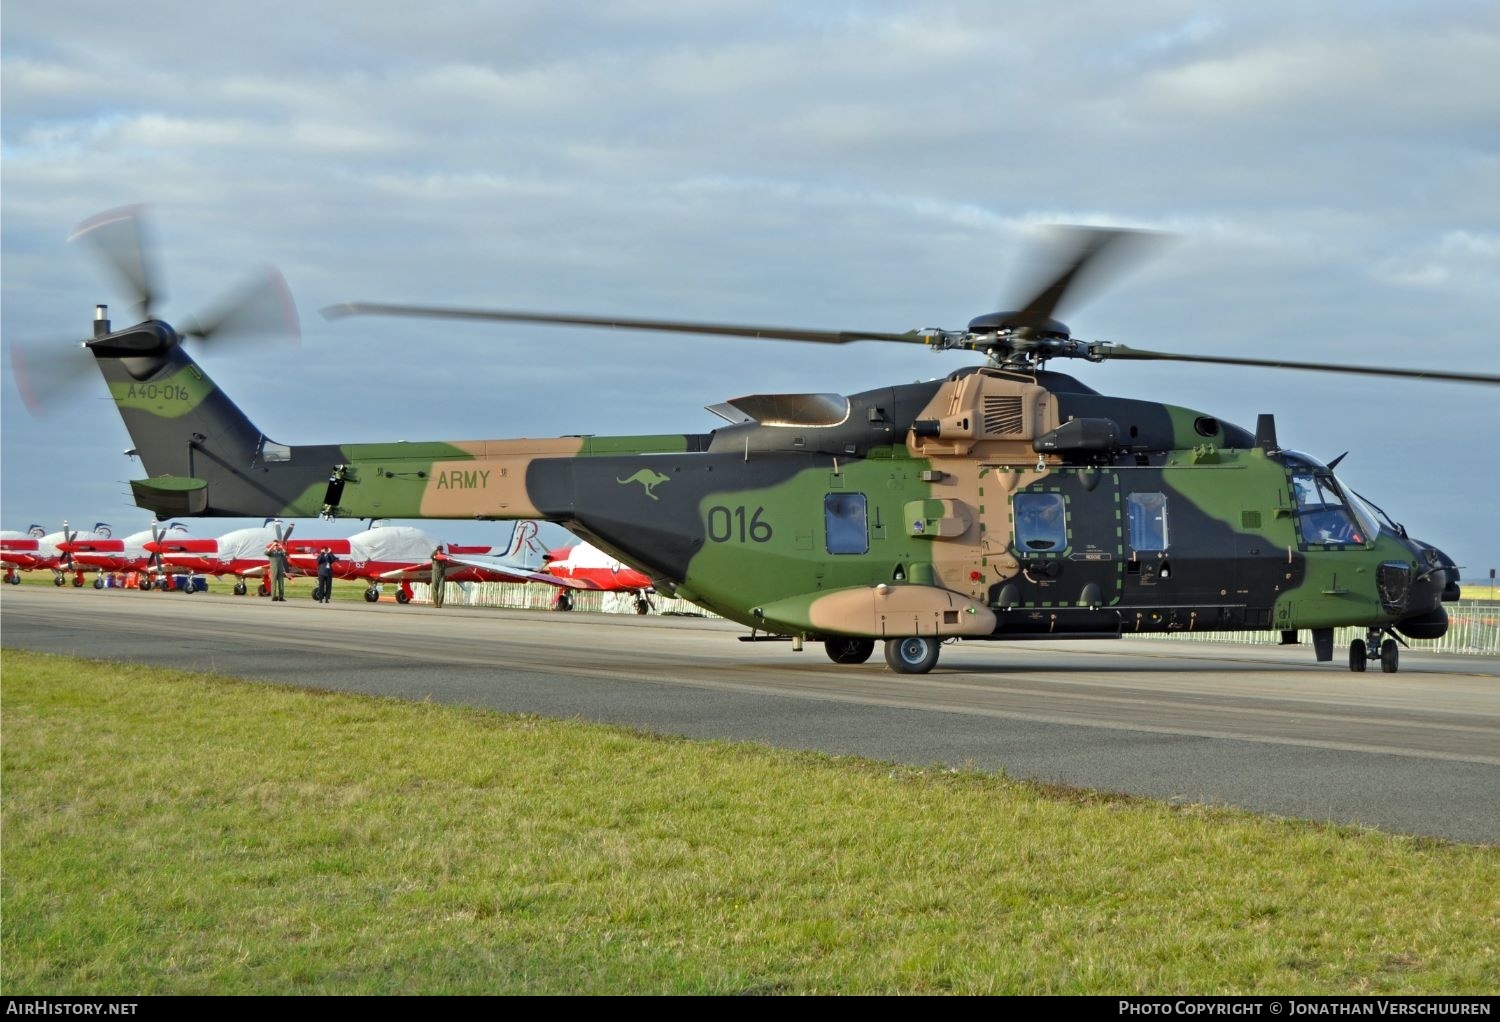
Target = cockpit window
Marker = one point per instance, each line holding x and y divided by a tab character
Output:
1322	513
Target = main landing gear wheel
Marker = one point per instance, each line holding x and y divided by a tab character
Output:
849	651
240	589
77	582
144	585
372	595
564	601
642	606
1390	656
401	597
1357	656
913	655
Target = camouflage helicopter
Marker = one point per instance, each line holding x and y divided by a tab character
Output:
1005	501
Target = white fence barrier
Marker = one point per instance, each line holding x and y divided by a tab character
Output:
522	596
1473	628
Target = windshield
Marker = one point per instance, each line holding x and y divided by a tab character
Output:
1325	517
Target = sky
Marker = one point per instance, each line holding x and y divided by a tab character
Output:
1329	175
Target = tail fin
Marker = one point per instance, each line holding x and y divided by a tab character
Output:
201	454
526	546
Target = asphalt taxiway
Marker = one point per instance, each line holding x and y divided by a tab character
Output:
1264	728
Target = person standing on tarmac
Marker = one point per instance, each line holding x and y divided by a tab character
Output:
276	555
439	576
326	560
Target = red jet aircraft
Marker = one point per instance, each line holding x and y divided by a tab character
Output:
585	566
121	555
18	550
241	553
30	551
401	554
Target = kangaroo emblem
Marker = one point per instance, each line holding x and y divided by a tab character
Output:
648	479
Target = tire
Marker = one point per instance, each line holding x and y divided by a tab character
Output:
59	581
77	582
849	651
145	585
98	583
1390	656
912	655
240	589
642	607
372	595
1358	654
402	598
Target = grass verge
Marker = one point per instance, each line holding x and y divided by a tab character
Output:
174	833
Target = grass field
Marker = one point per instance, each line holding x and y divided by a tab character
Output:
172	833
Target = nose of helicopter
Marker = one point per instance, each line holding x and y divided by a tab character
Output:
1433	583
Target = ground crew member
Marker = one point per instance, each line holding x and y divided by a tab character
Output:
439	576
276	555
326	560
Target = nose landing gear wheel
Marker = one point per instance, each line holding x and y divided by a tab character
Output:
849	651
913	655
240	589
1390	656
372	595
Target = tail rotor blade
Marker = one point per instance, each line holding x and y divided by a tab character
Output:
263	307
44	374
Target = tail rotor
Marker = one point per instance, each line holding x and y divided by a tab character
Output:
46	372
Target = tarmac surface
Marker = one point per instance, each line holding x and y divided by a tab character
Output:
1264	728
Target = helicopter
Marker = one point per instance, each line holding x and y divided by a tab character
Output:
1005	501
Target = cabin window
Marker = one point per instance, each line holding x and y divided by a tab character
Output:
844	516
1148	521
1321	513
1041	521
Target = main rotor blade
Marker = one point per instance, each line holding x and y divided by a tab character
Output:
119	236
661	325
1140	354
263	306
1080	259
